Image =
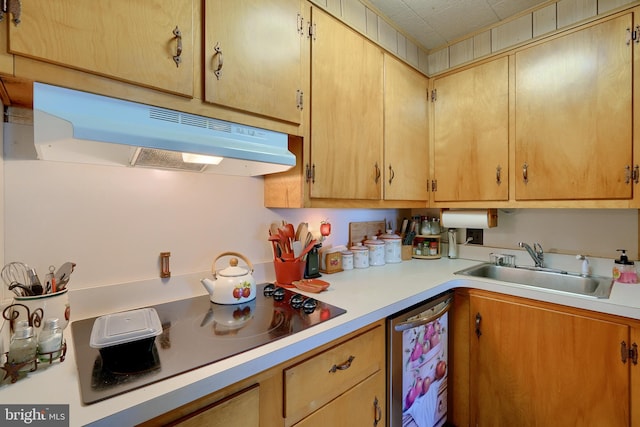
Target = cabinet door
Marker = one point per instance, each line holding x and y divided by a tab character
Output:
252	56
239	410
132	41
406	166
536	366
573	115
346	112
471	135
363	405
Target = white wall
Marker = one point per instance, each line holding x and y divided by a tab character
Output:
113	222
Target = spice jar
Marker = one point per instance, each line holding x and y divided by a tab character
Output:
50	341
22	349
433	248
360	256
425	227
376	251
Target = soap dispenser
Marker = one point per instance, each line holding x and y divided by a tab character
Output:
624	271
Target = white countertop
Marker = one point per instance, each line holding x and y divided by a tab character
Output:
368	295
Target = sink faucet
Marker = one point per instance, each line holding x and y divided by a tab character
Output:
536	253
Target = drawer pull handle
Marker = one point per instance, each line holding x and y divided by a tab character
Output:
378	409
345	365
178	36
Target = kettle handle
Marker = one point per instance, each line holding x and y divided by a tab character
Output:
236	254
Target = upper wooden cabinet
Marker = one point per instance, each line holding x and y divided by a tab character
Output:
347	112
573	115
253	56
471	134
148	43
406	137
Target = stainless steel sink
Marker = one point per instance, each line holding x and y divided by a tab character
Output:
594	286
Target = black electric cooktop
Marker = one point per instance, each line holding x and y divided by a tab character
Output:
197	332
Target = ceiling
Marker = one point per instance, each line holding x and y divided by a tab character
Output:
435	23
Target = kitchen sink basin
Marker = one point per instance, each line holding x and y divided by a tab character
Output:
593	286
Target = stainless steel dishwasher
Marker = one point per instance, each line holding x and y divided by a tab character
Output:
417	364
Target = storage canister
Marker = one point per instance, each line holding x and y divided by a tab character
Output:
392	247
347	260
376	251
360	256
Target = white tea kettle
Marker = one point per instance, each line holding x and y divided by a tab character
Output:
231	285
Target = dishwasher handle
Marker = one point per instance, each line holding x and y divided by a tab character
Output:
433	313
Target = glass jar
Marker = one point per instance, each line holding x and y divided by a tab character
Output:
22	349
425	227
419	249
50	341
435	226
433	248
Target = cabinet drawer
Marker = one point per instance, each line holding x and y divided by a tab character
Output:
312	383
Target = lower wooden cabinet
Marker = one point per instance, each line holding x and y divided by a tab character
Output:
332	376
239	410
362	405
341	383
533	364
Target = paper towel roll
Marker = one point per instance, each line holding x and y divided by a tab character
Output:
485	218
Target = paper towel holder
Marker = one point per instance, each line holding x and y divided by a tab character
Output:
491	217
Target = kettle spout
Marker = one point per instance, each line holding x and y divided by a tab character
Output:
208	285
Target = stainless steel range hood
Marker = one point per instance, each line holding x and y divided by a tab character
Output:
80	127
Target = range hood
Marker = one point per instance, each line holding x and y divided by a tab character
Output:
80	127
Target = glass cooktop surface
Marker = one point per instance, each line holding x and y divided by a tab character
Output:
195	333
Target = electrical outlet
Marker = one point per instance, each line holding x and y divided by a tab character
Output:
476	236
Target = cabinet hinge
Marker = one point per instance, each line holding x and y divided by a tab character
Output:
13	7
299	99
312	30
434	95
633	35
434	185
300	24
310	173
629	352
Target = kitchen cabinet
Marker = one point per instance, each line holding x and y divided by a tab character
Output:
342	381
253	52
406	137
534	363
346	381
239	410
149	43
346	112
359	406
573	115
367	143
471	134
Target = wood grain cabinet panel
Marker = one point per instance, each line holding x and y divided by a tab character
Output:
346	112
313	383
537	364
253	54
471	134
573	115
406	150
131	41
